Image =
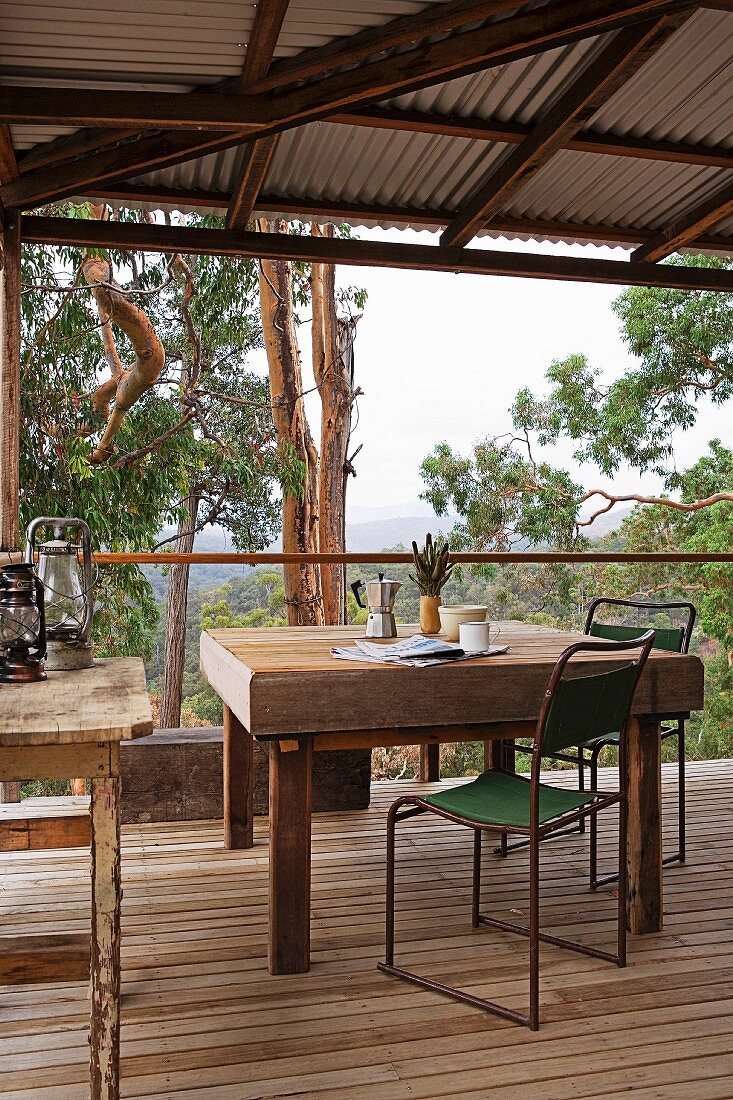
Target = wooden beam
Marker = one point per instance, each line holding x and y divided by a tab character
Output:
269	16
423	122
416	257
10	383
142	110
513	133
132	194
524	35
621	59
688	227
8	163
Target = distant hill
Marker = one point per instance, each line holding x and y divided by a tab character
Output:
376	534
375	529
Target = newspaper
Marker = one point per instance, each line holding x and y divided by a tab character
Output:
417	652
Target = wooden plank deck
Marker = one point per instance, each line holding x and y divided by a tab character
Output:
203	1020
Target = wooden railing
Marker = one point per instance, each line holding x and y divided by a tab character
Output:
365	558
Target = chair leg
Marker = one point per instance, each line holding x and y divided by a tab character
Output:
594	820
534	933
681	792
391	820
476	897
581	785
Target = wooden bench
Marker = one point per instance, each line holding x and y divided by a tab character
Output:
39	823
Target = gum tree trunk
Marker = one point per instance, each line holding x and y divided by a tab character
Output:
175	621
300	513
332	340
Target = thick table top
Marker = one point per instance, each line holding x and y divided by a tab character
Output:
281	680
108	702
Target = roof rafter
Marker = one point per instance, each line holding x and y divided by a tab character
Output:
513	133
8	163
620	60
269	16
131	194
687	227
427	63
134	236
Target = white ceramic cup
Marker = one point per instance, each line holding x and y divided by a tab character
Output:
474	637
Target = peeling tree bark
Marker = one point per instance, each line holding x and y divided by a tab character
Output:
300	514
332	341
126	386
177	604
175	621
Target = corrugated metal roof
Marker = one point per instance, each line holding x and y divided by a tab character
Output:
683	94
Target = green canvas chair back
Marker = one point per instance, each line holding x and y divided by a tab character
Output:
675	639
669	638
581	708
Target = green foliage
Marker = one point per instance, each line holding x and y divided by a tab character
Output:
229	455
503	499
507	493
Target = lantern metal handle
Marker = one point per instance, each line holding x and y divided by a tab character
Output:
41	602
86	542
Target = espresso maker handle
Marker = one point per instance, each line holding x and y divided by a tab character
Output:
356	589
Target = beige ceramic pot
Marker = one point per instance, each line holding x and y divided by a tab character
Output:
452	617
429	617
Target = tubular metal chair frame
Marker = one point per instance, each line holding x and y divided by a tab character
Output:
411	805
677	729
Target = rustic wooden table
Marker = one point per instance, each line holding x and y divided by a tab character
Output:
281	686
71	726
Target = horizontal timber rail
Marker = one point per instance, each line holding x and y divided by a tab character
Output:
364	558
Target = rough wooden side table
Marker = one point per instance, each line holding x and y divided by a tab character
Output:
72	725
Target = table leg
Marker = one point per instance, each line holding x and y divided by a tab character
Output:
238	779
291	766
105	944
644	788
429	763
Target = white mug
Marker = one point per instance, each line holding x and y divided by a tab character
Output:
474	637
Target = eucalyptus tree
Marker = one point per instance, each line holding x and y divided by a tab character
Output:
509	491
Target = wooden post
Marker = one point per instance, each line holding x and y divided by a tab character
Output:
493	754
290	856
105	946
644	787
429	763
10	406
238	779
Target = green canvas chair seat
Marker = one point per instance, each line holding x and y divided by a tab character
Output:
496	798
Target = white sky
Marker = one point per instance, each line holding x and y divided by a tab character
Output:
441	356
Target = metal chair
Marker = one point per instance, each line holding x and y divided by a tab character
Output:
674	639
573	708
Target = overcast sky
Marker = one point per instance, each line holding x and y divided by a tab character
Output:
441	356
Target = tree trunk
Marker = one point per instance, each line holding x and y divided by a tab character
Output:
175	621
10	383
300	514
10	405
332	339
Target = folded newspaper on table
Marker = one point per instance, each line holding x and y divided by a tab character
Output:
416	651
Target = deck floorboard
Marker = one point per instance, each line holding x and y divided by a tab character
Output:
203	1019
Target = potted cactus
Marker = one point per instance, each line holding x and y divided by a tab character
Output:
432	570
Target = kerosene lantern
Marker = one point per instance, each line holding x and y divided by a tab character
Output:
22	625
68	598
